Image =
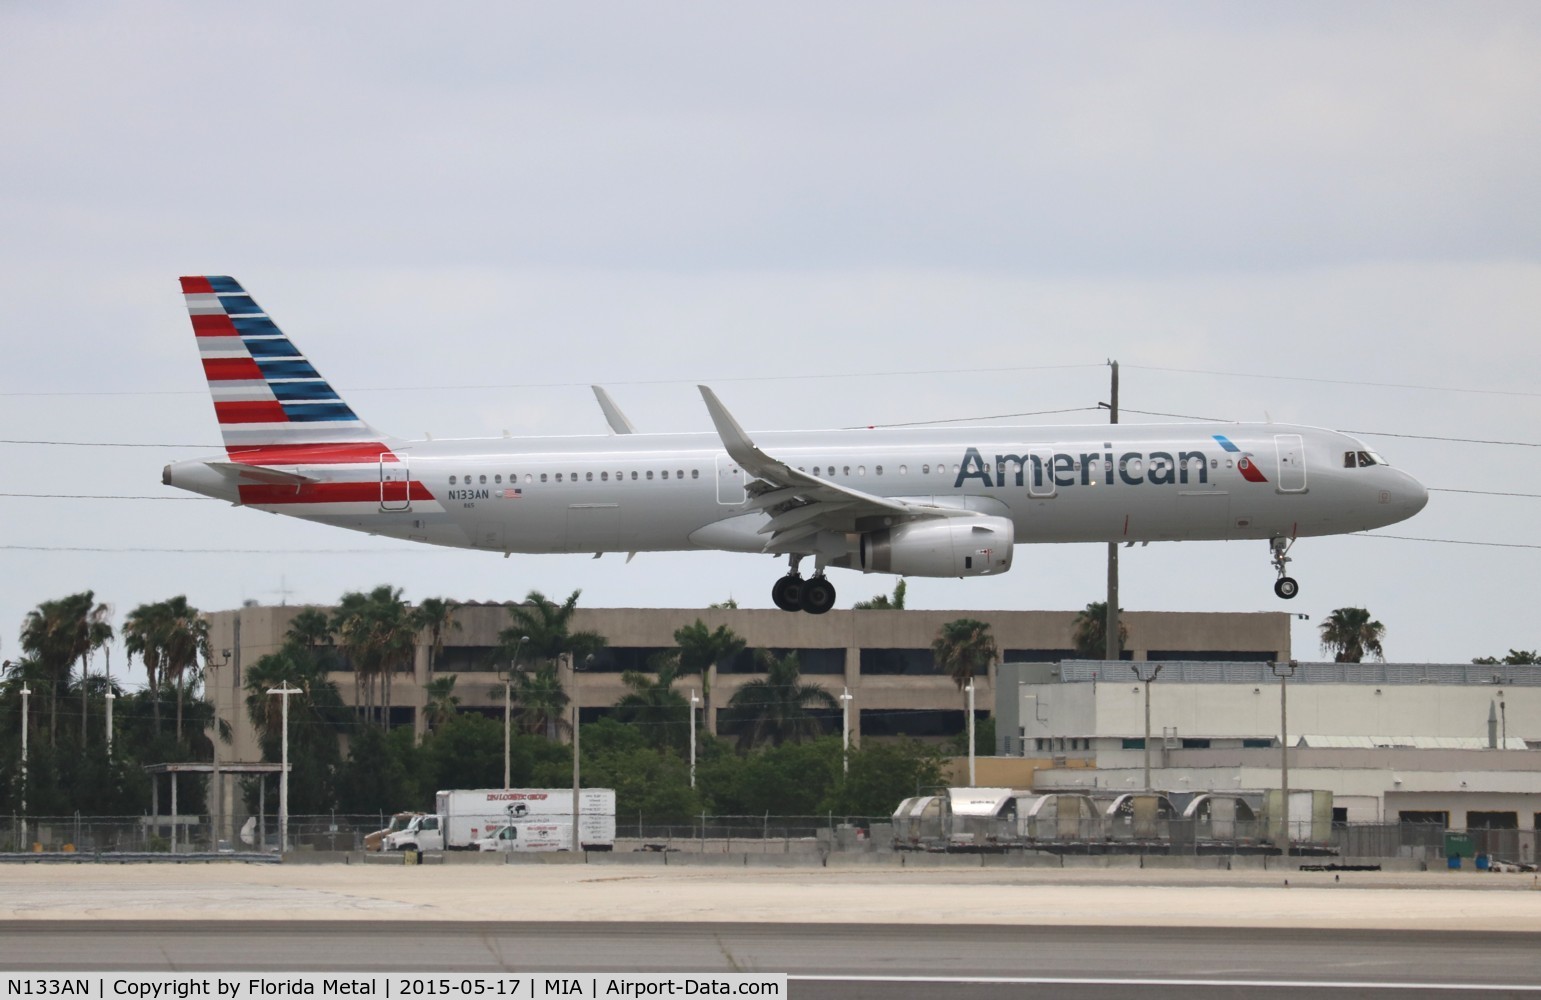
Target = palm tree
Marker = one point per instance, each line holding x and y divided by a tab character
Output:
56	634
701	650
185	638
883	602
441	700
143	632
1089	631
378	634
542	702
436	616
549	628
653	703
1348	634
310	627
964	648
775	709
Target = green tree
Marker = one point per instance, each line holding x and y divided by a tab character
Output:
652	704
883	774
436	616
442	702
551	637
316	719
964	648
58	633
776	709
1350	635
1515	657
1089	631
184	638
377	631
701	649
883	602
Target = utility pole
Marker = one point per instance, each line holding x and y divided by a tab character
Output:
1284	671
283	776
1114	648
694	701
845	731
1147	672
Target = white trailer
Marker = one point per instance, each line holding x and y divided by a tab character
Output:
463	817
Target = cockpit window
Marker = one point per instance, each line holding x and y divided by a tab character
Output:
1361	459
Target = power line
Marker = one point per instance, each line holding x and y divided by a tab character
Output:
1485	493
1458	440
1337	381
899	373
1447	541
107	444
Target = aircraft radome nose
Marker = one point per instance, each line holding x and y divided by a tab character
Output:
1415	496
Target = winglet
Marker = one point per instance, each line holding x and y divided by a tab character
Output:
613	415
737	443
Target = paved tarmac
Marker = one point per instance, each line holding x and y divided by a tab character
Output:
1455	901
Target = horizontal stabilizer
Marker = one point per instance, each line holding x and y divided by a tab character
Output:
260	474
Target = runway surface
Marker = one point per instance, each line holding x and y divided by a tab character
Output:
838	933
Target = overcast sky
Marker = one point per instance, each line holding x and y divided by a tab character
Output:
835	214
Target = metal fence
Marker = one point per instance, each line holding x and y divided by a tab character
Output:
1431	843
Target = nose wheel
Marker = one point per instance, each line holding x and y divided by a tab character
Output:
1285	587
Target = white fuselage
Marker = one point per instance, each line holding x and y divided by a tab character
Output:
651	492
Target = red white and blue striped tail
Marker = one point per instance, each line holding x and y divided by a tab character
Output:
273	407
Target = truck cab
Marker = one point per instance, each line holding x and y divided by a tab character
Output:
423	833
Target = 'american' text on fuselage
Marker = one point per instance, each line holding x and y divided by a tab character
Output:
1133	468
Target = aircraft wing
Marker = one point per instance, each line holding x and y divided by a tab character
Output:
800	504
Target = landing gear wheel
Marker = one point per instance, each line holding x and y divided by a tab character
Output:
788	593
818	595
1286	587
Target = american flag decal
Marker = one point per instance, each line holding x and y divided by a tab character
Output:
513	494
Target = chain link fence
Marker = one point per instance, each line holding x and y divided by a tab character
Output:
766	834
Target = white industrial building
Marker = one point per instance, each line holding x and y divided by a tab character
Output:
1454	745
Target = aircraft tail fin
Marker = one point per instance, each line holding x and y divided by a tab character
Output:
272	405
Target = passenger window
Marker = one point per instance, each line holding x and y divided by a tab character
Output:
904	470
679	473
530	479
878	470
664	474
604	477
452	480
559	477
846	471
695	473
588	477
650	473
542	477
484	480
634	475
498	478
925	470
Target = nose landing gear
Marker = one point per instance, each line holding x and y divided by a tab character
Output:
814	595
1285	586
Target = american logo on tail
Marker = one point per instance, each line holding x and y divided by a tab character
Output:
915	502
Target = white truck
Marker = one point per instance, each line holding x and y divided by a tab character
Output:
517	819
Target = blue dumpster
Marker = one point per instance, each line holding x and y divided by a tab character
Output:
1453	861
1482	862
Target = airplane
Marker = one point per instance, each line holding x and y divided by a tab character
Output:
936	502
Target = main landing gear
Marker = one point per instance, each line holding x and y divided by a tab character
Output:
1285	586
814	595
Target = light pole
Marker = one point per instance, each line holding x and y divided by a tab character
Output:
25	693
694	701
845	731
970	690
110	699
508	698
1284	671
1146	672
283	774
588	661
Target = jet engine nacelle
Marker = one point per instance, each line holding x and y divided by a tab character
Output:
945	546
